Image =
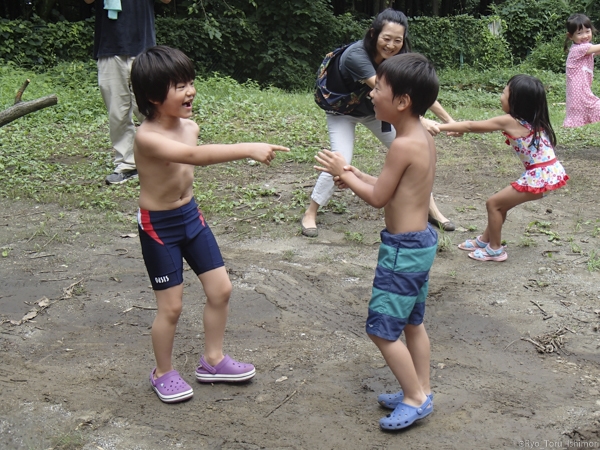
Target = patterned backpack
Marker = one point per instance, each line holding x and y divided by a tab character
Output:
341	103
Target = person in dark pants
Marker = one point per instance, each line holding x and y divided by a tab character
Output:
123	30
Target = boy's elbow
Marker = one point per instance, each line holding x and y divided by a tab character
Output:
377	203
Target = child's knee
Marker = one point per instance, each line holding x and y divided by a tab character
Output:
219	295
413	330
171	311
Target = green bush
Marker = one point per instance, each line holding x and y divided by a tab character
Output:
40	44
548	55
276	48
531	22
452	42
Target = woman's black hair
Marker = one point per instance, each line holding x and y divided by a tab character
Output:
388	15
527	101
153	73
576	22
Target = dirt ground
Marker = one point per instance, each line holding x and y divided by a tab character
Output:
515	345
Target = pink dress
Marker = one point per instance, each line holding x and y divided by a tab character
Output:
583	106
543	172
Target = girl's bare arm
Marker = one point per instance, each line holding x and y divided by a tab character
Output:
593	49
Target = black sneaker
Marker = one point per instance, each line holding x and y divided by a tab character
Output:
120	178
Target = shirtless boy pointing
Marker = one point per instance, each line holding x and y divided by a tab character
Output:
171	226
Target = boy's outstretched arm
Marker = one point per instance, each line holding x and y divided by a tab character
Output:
380	192
158	146
360	175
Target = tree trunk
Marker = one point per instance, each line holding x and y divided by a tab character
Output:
23	108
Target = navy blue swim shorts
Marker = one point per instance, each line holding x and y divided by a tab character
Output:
169	236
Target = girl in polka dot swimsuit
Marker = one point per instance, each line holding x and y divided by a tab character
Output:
583	106
527	128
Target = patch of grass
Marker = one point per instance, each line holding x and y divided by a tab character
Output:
527	241
354	236
337	207
61	154
444	242
596	231
542	227
575	248
73	440
288	255
471	227
593	262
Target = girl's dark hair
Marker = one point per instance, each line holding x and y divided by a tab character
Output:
575	23
411	74
527	101
388	15
154	71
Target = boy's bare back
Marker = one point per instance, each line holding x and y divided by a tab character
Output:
164	183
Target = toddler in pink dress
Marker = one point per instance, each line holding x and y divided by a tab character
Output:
583	107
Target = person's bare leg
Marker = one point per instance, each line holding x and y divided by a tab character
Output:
417	342
310	215
435	213
400	361
498	206
169	304
217	288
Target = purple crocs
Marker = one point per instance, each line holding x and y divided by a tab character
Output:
171	388
227	370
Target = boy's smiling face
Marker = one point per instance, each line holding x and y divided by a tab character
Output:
179	100
384	103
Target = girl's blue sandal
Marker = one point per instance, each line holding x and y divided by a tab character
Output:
405	415
489	254
472	244
390	401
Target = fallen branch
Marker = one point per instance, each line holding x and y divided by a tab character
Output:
287	399
24	108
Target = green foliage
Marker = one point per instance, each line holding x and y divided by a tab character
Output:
281	43
40	44
532	22
61	154
452	42
548	55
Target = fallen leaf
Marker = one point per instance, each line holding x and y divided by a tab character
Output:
279	380
129	235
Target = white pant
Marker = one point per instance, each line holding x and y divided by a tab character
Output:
115	87
341	136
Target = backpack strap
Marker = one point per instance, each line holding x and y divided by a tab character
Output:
331	94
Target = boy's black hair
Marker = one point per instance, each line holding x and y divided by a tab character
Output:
411	74
388	15
527	101
576	22
154	71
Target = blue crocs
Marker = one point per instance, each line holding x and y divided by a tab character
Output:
390	401
405	415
